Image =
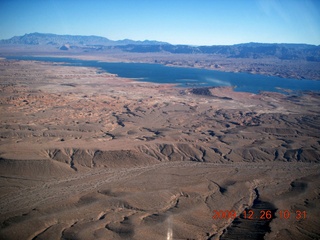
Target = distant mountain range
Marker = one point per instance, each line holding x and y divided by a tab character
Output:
248	50
283	51
72	40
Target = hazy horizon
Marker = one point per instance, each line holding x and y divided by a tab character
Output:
176	22
158	40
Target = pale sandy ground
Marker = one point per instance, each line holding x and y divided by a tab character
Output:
92	156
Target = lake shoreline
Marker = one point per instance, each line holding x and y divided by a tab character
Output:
97	149
182	76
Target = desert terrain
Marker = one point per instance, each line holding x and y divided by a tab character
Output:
89	155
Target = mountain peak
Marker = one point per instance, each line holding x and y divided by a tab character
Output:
37	38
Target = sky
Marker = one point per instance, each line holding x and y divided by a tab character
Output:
192	22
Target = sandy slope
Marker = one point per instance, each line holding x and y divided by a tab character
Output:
92	156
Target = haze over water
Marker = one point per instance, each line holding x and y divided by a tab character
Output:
192	77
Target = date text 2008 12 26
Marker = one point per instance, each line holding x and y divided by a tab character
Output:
262	214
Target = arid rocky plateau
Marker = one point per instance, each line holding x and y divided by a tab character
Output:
89	155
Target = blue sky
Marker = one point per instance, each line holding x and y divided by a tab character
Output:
194	22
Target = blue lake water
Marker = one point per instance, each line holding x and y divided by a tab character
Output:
191	77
